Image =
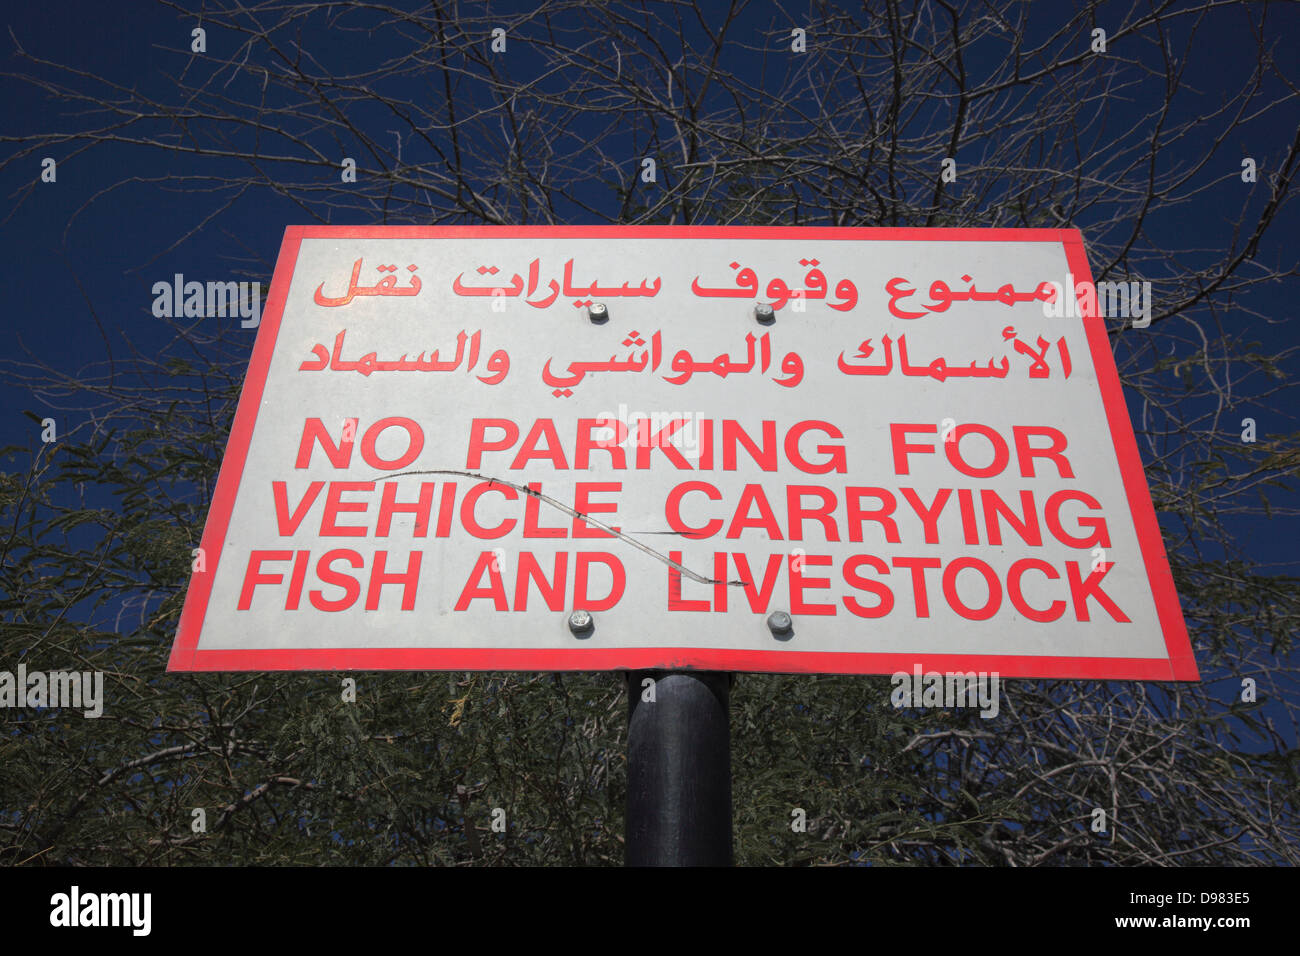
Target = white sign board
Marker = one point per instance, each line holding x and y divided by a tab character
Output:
918	454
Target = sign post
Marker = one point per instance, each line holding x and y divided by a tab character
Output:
678	769
684	450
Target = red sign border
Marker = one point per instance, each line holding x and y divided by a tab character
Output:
1180	665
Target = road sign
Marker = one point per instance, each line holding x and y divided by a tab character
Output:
755	449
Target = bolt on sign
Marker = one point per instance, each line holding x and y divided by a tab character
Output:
753	449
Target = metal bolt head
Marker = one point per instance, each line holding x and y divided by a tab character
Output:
597	312
580	623
779	623
764	313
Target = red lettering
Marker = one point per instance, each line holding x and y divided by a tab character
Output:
798	583
583	601
929	515
918	566
552	592
1014	592
1026	526
753	494
1081	590
313	430
532	514
446	509
661	440
835	458
478	442
351	587
1001	454
1052	514
582	503
705	430
408	579
720	580
296	582
388	505
1026	453
797	513
280	493
470	521
334	504
672	509
990	578
414	443
542	428
857	517
758	600
764	457
966	502
902	448
851	576
253	575
675	600
613	445
494	590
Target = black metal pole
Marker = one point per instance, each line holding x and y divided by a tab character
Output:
678	769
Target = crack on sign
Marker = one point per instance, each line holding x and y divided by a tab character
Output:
573	512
